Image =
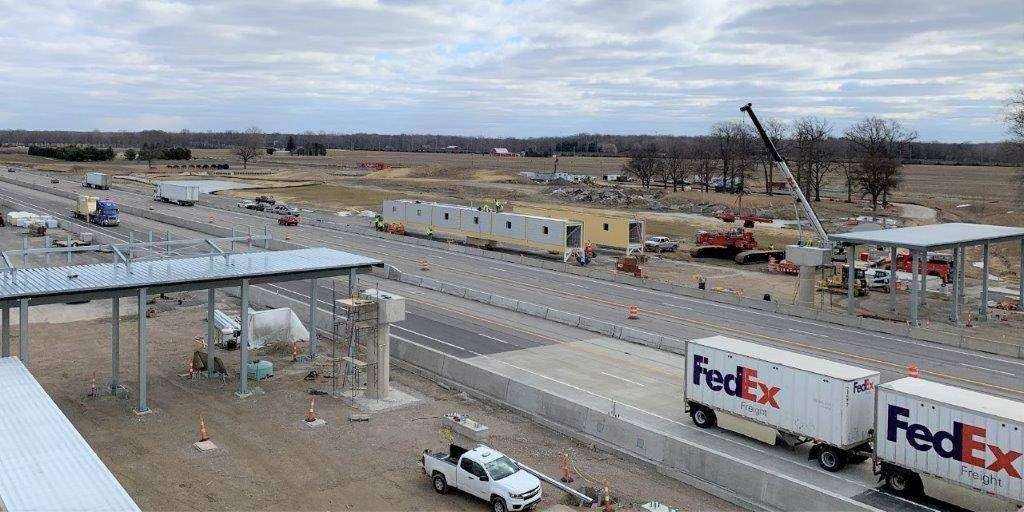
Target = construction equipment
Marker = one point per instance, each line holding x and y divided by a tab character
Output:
835	282
738	244
938	264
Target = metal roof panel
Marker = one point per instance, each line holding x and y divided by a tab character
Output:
932	236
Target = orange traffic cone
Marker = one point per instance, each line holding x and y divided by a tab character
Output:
211	219
566	476
311	413
913	371
191	369
295	351
92	387
287	235
424	265
634	312
203	436
607	498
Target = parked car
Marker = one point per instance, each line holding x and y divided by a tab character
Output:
284	209
266	200
661	244
485	473
248	205
288	220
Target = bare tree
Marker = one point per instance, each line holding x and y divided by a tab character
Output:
671	168
776	131
704	162
153	144
814	158
643	164
250	146
879	144
1015	122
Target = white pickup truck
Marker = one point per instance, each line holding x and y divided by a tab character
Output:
485	473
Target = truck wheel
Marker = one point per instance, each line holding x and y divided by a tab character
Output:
904	483
440	484
498	505
831	459
703	417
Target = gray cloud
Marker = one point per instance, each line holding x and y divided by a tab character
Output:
511	68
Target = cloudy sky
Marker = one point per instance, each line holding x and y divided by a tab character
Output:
508	68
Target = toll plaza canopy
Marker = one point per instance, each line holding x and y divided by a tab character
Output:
934	236
46	464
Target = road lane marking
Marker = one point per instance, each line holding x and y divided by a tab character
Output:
622	379
815	334
987	369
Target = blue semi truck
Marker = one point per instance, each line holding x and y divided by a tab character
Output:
102	212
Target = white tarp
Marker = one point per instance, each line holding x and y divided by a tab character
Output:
275	326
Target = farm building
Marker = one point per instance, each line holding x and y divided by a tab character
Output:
614	177
501	152
602	228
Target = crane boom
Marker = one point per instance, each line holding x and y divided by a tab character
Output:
794	189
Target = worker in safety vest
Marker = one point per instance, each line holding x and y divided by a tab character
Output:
430	232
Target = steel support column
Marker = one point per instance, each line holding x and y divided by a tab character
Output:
914	289
5	335
210	331
143	406
983	307
924	277
115	344
1020	277
892	279
23	331
312	319
243	344
954	297
851	277
351	283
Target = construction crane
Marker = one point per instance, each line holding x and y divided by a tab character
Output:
794	189
807	257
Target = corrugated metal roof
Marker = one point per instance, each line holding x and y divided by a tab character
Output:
40	281
786	358
958	397
46	464
933	236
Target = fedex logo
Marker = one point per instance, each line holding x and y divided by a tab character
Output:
860	387
742	384
966	443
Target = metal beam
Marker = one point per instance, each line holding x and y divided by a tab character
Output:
892	279
115	343
954	298
914	289
23	332
851	276
243	344
351	283
143	353
1020	277
210	330
924	277
312	319
5	335
983	307
124	246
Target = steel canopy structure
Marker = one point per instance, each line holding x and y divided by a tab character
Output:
920	240
25	287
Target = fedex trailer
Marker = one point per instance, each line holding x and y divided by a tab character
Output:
956	435
804	398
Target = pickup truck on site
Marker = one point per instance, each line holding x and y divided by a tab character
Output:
485	473
661	244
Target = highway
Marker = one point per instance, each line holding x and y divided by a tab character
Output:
635	379
672	315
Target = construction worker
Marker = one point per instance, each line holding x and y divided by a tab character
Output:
430	232
378	222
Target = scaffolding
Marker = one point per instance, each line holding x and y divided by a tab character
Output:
355	325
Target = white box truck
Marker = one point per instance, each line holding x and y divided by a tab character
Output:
184	195
96	180
956	435
804	398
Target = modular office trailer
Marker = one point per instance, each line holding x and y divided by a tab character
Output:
823	401
958	435
483	228
602	228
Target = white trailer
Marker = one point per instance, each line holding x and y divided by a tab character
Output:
956	435
805	398
184	195
96	180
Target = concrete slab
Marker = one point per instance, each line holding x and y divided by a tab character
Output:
204	446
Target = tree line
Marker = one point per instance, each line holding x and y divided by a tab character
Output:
868	156
73	153
583	144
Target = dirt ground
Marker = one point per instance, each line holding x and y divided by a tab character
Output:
266	459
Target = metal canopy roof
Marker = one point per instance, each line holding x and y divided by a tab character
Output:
48	285
46	464
934	236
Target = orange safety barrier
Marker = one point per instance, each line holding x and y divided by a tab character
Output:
566	476
311	413
913	371
634	312
203	436
424	265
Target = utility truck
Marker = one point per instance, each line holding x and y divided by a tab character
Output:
96	180
176	193
99	212
485	473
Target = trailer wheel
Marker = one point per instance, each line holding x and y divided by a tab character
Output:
703	417
831	459
904	483
440	484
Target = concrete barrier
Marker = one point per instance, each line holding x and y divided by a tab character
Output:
639	337
503	302
626	436
478	296
943	338
529	308
454	290
672	345
991	346
478	379
425	358
563	317
598	326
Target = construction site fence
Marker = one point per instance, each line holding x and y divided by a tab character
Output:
960	338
